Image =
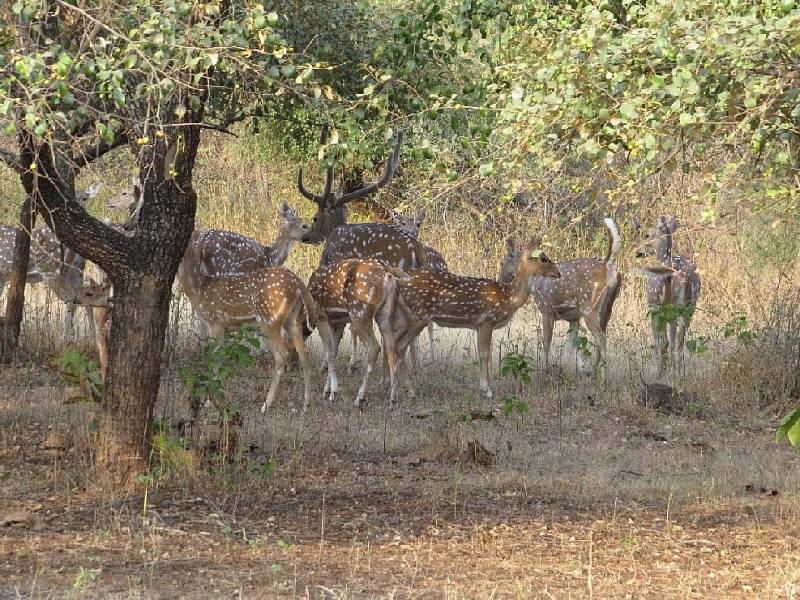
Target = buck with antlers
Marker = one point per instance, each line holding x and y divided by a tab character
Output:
455	301
361	292
586	290
271	298
396	247
436	262
61	269
674	282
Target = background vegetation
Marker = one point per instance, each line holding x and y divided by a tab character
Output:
521	118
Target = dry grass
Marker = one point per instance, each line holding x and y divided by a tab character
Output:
588	494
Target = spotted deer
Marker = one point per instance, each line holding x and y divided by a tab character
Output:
362	292
676	284
436	262
586	290
226	252
271	298
396	247
455	301
52	263
96	297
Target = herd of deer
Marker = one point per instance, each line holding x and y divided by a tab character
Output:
373	274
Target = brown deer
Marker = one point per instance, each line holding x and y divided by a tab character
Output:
271	298
61	269
97	298
226	252
436	262
586	290
396	247
678	287
362	292
455	301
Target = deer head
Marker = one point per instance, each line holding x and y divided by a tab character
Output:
331	204
96	294
659	239
410	224
84	196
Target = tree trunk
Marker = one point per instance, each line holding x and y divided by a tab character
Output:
16	292
139	319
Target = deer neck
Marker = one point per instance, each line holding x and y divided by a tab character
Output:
664	250
192	276
280	248
519	289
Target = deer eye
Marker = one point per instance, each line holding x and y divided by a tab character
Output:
544	259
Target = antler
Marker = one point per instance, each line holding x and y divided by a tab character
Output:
391	167
320	200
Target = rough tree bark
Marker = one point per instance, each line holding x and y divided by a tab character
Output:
141	269
15	300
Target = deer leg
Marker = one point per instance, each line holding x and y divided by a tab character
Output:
430	340
90	320
367	336
660	345
102	330
337	333
389	352
408	333
302	355
413	353
280	351
548	321
572	336
484	355
327	337
69	323
671	335
351	365
593	325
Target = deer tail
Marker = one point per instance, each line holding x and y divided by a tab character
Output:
614	239
398	273
313	313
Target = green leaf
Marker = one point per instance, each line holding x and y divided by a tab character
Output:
790	427
486	169
628	111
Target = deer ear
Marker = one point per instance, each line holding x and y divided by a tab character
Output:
92	190
392	214
421	215
510	245
673	225
285	210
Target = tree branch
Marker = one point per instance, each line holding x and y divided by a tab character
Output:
94	152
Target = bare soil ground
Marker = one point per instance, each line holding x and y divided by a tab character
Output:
588	494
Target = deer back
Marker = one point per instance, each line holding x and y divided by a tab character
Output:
681	288
226	252
353	287
457	301
8	241
397	248
436	261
